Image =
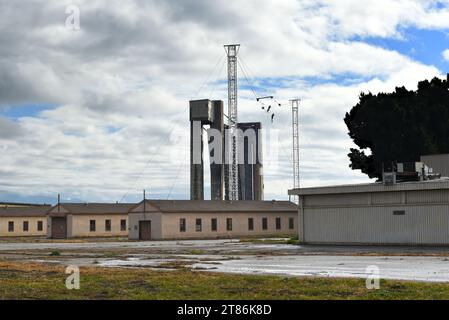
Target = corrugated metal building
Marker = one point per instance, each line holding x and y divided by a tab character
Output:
411	213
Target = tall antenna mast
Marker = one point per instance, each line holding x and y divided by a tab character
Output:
233	171
295	126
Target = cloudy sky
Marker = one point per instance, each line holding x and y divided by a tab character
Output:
100	112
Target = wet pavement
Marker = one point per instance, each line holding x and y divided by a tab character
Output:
227	245
234	256
435	269
116	245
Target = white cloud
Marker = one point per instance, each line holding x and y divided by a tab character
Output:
445	54
124	80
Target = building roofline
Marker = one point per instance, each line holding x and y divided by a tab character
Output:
97	208
157	205
24	204
439	184
33	211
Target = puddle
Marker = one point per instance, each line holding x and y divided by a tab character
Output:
232	256
400	268
432	269
130	262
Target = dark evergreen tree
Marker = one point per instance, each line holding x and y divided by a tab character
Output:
399	126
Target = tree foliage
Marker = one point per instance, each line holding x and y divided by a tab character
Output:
399	126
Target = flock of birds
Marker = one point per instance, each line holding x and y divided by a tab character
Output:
268	108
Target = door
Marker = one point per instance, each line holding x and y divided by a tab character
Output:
58	228
144	230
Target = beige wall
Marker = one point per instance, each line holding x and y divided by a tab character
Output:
171	221
154	217
166	226
18	226
79	226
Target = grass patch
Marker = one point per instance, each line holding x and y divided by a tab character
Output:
293	240
40	281
55	253
111	254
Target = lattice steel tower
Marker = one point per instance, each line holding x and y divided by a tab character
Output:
232	143
295	126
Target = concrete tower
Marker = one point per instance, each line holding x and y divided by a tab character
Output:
206	112
250	172
250	176
251	185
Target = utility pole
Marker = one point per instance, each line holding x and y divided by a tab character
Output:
232	144
295	126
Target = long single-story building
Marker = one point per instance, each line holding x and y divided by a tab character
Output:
187	219
409	213
18	221
73	220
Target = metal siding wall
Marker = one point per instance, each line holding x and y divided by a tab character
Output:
386	198
434	196
378	225
336	199
426	219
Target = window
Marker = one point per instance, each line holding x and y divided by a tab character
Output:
278	223
264	223
229	224
123	225
291	223
399	213
214	224
11	226
250	224
182	225
40	226
25	226
107	225
198	225
92	226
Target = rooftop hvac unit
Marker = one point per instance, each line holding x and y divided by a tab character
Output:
389	178
407	171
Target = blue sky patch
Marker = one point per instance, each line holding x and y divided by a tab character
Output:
425	46
29	110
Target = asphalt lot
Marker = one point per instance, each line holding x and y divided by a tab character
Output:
227	245
233	256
